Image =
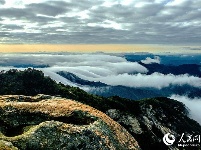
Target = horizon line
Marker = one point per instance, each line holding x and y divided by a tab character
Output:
107	48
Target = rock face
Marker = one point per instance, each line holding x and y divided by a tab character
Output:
51	123
156	118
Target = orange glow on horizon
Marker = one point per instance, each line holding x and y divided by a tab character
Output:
108	48
73	48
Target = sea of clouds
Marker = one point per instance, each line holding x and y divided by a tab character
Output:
110	69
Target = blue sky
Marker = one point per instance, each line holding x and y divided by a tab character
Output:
100	22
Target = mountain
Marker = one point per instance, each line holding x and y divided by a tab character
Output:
147	120
191	69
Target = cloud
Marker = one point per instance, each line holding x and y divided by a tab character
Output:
53	8
149	60
192	104
58	78
61	59
101	21
90	66
155	80
2	2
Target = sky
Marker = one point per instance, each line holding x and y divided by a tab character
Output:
168	22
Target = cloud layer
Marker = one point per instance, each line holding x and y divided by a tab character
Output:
193	104
155	80
100	21
109	69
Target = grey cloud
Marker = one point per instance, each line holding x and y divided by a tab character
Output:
15	13
150	23
42	20
11	27
52	8
2	2
85	4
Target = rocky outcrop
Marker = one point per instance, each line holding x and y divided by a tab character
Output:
155	118
129	121
46	122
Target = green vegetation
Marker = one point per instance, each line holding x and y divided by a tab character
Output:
32	82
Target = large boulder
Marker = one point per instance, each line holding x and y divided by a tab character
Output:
50	123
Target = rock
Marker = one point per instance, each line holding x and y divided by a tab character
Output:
5	145
114	113
49	123
128	121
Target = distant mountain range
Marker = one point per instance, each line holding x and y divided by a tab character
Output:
191	69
